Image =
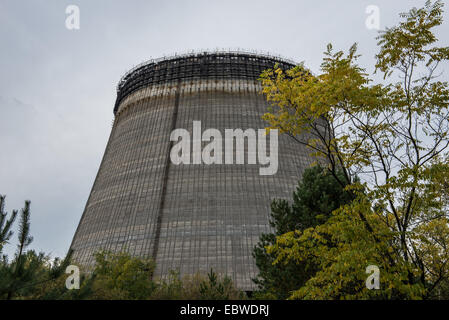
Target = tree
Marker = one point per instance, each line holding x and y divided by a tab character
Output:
121	276
318	194
196	287
393	136
32	275
5	224
20	276
52	284
216	288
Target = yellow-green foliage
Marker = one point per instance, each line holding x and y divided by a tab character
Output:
121	276
197	287
395	138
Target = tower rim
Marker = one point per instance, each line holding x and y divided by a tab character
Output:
218	64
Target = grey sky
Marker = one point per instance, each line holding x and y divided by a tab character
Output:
57	87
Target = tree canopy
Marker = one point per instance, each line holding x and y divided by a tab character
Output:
394	136
317	195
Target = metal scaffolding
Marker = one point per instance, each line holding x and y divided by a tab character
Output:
205	65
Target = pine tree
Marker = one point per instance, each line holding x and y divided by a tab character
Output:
5	224
317	195
28	268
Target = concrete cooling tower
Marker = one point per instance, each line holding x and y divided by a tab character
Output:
188	173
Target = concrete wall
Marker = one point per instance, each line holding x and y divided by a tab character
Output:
189	217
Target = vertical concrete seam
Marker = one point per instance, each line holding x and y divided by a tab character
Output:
165	177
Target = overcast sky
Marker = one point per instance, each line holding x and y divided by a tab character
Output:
57	86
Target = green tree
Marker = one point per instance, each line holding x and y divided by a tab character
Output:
197	287
392	135
5	224
32	275
216	288
122	276
318	194
54	287
19	277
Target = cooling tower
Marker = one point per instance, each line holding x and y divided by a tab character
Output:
189	217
